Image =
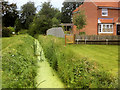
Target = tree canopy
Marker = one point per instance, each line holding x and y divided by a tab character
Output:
46	18
80	19
18	25
27	14
49	11
67	9
9	14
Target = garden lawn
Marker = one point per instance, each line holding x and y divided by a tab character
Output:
18	62
106	55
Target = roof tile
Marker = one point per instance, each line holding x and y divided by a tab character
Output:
103	3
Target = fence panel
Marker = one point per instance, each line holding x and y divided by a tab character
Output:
98	39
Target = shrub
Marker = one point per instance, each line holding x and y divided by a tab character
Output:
6	32
12	29
82	33
23	31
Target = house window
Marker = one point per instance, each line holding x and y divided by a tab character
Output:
104	12
105	28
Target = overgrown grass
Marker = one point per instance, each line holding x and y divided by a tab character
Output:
76	68
18	62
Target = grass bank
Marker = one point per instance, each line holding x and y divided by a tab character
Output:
18	62
78	65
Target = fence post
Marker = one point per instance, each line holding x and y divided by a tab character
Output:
74	39
65	39
106	41
85	41
77	41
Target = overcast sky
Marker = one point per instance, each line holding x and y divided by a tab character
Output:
55	3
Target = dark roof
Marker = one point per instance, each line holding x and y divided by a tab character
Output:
66	24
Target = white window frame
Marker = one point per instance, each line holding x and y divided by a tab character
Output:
104	11
105	27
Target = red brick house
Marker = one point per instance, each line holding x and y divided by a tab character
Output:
103	18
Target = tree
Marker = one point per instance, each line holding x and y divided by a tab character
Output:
67	9
55	22
40	25
57	18
45	19
52	13
27	14
17	25
79	19
9	14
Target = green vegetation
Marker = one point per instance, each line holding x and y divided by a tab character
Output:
67	10
106	55
74	63
9	13
40	23
78	66
18	62
6	32
23	31
28	12
18	25
11	29
80	19
82	33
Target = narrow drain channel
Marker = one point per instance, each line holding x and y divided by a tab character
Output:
46	77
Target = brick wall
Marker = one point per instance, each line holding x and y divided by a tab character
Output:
112	13
91	18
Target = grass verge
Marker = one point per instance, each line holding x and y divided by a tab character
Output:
18	62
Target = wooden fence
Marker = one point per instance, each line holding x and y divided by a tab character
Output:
69	39
98	39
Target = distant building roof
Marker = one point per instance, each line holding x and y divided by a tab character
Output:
106	3
66	24
77	9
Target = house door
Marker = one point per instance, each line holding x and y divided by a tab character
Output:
118	29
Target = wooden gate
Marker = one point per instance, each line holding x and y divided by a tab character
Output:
69	39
